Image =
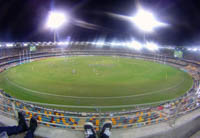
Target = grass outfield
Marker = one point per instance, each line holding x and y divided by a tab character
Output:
94	81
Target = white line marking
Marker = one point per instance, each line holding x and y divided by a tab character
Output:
76	97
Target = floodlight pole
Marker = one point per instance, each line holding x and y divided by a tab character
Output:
54	36
144	37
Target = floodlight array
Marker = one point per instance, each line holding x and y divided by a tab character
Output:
9	44
194	49
100	43
113	44
63	43
25	44
56	19
145	21
151	46
135	45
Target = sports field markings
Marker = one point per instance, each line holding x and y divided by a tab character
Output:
76	97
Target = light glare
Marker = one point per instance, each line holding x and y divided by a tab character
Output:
145	21
136	45
151	46
194	49
25	44
56	19
9	45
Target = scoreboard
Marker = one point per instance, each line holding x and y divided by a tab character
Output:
178	54
32	48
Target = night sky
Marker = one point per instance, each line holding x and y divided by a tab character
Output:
24	20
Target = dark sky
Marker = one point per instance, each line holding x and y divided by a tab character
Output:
24	20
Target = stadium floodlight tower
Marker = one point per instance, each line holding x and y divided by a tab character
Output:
56	19
146	21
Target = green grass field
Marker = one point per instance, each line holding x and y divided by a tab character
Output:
94	81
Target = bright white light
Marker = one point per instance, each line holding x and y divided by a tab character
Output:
63	43
87	43
136	45
60	43
100	43
151	46
25	44
194	49
145	21
9	45
123	44
93	43
112	44
169	47
66	43
56	19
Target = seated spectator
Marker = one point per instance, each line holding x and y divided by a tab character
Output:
105	132
22	127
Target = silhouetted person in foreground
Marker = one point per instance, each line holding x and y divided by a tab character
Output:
21	128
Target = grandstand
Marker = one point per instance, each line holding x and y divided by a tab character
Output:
135	117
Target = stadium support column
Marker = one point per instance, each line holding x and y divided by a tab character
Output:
14	110
20	57
26	58
27	52
164	59
100	118
154	57
172	121
144	38
23	56
29	56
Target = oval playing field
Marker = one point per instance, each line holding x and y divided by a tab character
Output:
94	81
